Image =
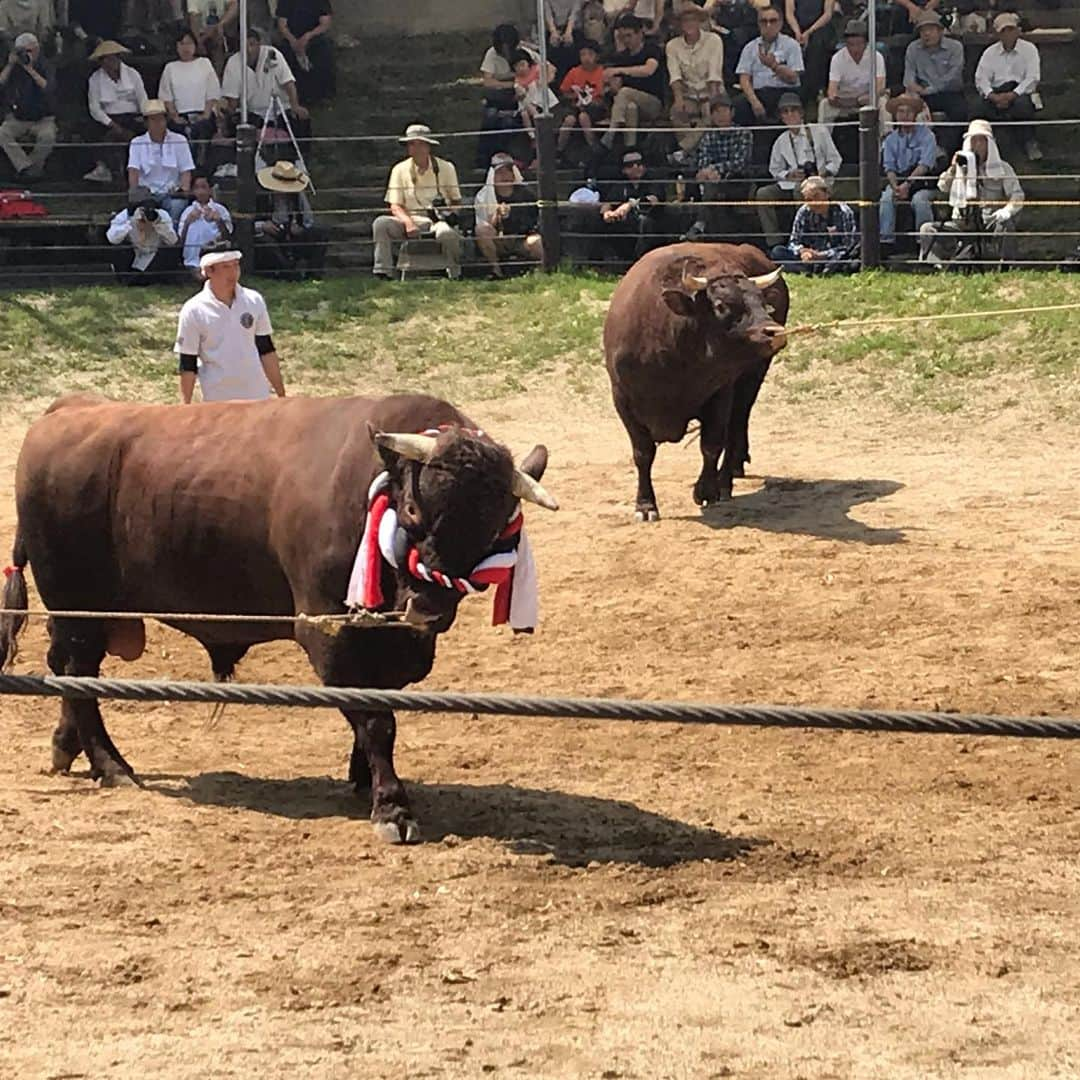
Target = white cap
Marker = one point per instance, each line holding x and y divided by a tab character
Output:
215	258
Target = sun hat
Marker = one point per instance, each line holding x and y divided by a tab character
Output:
153	107
979	127
109	48
283	176
856	28
790	101
927	18
418	133
1006	18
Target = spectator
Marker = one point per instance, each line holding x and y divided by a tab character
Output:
811	26
420	190
563	28
161	161
907	13
210	26
770	67
532	92
305	25
144	241
824	236
736	21
26	17
908	157
724	158
27	89
116	96
648	12
800	152
985	196
1007	76
500	101
934	70
292	245
633	213
695	63
506	216
850	70
203	224
191	92
640	89
583	92
269	76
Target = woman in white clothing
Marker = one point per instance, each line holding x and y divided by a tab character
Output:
191	92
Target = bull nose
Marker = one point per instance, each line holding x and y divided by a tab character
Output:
775	335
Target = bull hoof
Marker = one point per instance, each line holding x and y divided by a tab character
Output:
118	780
62	761
400	831
648	514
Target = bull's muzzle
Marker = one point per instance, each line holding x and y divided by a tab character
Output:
431	622
772	335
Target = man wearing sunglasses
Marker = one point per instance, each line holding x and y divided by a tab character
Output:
769	66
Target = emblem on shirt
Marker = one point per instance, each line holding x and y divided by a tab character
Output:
247	320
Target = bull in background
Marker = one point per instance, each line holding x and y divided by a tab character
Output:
241	507
689	335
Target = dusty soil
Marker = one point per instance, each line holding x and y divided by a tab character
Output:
606	900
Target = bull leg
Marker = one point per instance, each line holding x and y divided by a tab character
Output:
79	651
746	392
359	769
714	485
390	811
645	508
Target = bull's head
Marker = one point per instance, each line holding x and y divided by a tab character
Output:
454	494
731	304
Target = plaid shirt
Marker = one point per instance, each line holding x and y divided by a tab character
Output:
834	234
727	150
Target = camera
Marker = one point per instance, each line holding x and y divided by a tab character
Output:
809	168
23	56
147	206
439	212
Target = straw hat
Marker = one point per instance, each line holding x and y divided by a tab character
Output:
418	133
153	107
109	48
283	176
910	100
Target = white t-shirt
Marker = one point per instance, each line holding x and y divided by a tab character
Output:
201	232
160	163
125	96
189	85
222	336
853	80
271	73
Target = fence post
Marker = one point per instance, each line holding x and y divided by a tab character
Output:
547	188
245	193
869	186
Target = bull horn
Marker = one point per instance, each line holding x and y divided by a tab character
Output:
763	281
414	447
525	487
693	283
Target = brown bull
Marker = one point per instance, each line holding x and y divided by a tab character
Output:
253	508
689	335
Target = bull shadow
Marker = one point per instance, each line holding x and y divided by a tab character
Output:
819	508
570	829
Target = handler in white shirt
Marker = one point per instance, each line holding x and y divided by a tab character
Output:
161	161
1007	76
224	338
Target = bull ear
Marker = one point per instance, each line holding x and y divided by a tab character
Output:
680	302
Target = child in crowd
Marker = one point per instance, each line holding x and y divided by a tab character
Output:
583	93
530	89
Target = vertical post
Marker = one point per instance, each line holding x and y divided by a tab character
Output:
244	64
871	45
245	193
546	155
869	186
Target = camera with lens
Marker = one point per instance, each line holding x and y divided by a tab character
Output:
809	168
440	212
23	56
148	206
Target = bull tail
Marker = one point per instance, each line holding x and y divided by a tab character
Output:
14	602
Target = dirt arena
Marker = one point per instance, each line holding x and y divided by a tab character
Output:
598	899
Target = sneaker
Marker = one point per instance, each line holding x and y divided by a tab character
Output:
679	157
1033	150
695	232
99	174
933	259
224	172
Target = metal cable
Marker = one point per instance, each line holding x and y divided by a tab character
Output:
784	716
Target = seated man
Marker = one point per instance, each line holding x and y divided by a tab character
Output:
934	71
800	151
291	245
145	242
269	77
161	161
908	156
633	213
421	190
640	82
824	238
695	63
1007	76
850	72
203	224
977	175
27	88
506	216
769	68
305	25
116	96
723	164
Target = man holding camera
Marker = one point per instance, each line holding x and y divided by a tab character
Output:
27	87
423	195
138	235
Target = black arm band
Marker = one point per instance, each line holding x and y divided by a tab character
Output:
264	343
188	363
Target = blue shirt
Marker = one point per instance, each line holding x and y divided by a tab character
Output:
785	49
935	70
903	150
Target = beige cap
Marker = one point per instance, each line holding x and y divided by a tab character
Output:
109	48
153	107
1006	18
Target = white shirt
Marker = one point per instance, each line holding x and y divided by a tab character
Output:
201	232
160	163
108	98
853	80
697	65
222	336
996	67
795	147
145	242
271	73
190	86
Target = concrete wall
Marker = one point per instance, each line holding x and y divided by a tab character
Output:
359	17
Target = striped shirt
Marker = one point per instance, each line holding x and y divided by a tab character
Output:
728	150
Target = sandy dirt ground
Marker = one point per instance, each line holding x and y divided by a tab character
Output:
598	899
